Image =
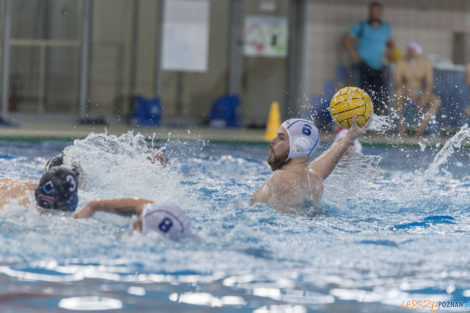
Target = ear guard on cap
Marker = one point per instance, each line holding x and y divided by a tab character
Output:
303	137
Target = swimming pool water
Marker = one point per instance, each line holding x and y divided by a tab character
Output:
395	227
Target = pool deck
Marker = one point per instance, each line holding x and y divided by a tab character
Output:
38	128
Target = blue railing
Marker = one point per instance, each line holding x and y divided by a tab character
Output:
450	86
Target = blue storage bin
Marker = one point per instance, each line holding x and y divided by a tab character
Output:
148	112
321	110
225	112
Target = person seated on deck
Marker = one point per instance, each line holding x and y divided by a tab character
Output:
295	182
466	111
413	80
57	189
165	218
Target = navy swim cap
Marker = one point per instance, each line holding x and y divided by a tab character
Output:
57	189
58	160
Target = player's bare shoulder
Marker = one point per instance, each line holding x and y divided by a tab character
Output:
13	186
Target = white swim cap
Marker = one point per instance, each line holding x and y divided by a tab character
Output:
303	137
415	45
167	219
341	134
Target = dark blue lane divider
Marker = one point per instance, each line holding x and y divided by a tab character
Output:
428	221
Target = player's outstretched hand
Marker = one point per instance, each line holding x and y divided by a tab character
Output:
356	131
84	212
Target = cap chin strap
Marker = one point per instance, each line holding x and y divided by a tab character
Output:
285	162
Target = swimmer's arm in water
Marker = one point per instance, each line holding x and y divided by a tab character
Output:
21	191
327	161
123	206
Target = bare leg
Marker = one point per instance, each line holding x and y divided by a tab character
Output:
434	104
466	112
399	104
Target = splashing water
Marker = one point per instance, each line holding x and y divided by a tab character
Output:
449	147
117	167
435	180
381	123
349	178
360	180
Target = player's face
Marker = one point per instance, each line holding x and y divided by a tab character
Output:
375	13
279	149
412	53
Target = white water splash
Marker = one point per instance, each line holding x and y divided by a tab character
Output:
349	177
381	123
433	182
449	147
359	177
116	167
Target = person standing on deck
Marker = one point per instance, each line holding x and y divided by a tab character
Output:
368	43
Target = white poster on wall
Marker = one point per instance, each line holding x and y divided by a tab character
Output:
265	36
185	35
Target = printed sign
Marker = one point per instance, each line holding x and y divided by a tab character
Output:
265	36
185	35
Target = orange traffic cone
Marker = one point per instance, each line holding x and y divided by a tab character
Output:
274	122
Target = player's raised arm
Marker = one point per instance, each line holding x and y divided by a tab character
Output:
327	161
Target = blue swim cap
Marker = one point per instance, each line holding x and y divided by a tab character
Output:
303	137
57	189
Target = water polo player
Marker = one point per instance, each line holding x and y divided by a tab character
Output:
57	190
295	182
166	219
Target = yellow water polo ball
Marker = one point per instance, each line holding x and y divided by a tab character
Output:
349	102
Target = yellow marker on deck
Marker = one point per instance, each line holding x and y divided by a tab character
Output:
274	122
